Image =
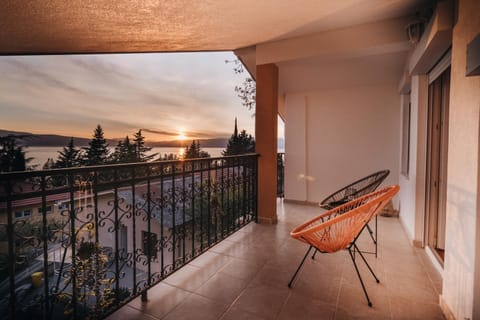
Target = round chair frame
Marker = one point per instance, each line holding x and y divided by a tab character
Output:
340	227
354	190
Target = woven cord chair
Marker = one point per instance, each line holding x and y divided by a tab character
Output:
339	228
354	190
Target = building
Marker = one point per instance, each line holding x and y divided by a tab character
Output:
356	95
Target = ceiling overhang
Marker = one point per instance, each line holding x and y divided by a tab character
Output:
77	26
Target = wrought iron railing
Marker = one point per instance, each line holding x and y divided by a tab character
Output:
82	242
280	175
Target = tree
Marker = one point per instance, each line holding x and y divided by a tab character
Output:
247	91
69	157
12	154
140	148
49	164
194	151
97	151
124	152
239	143
168	156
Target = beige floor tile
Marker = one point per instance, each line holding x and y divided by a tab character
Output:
199	308
415	291
302	307
352	303
241	269
210	262
239	314
222	288
161	299
189	278
246	277
265	301
128	312
320	278
409	309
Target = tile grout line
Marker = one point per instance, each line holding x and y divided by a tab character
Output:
240	294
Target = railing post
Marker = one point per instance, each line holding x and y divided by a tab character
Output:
218	204
45	248
11	250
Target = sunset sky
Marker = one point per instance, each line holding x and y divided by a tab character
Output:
166	95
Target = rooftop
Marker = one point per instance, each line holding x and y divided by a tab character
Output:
246	276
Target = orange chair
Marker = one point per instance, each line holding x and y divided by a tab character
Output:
354	190
339	228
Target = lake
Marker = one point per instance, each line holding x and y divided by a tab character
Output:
40	155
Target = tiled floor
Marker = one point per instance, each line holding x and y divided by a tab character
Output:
246	276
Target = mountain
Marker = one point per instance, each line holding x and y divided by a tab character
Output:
53	140
45	140
204	143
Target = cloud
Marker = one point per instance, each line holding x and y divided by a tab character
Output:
164	133
162	93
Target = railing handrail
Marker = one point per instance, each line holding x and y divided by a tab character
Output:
169	211
46	172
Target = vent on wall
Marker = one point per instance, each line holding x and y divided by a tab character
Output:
473	57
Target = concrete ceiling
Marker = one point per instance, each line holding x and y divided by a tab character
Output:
318	74
79	26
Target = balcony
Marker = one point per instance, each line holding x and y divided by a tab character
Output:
82	242
246	275
172	240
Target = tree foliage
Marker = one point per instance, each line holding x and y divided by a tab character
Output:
124	152
12	154
140	149
239	143
194	151
135	151
69	157
167	157
247	91
97	151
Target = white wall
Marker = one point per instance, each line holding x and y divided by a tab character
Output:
460	275
349	133
295	148
412	188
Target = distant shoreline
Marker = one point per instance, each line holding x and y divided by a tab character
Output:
41	154
53	140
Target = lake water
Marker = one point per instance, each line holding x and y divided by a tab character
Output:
40	155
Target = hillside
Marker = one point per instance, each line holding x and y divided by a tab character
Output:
53	140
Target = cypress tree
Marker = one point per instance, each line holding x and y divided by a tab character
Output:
239	143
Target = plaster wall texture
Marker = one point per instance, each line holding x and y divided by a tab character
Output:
460	277
336	136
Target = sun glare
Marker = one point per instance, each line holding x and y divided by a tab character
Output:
181	137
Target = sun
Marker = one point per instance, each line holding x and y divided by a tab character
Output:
181	137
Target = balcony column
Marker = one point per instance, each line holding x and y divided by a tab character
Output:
266	141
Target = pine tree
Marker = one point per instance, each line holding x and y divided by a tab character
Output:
97	151
140	148
194	151
69	157
239	143
12	154
49	164
124	152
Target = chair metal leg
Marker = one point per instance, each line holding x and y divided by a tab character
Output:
359	276
365	261
374	238
314	253
300	266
